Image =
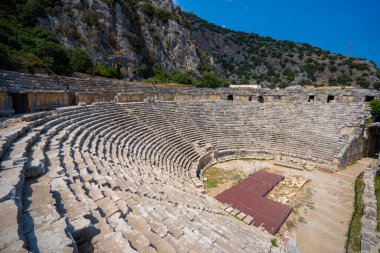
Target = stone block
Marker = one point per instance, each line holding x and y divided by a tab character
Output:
241	216
235	212
248	220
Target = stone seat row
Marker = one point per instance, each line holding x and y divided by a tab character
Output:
118	177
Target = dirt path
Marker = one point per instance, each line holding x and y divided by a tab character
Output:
323	225
327	223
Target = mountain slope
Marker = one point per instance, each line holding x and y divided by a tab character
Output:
143	38
243	57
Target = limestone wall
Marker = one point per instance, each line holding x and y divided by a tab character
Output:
47	100
130	97
369	239
92	97
353	150
20	82
5	104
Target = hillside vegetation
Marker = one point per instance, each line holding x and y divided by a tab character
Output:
245	58
155	40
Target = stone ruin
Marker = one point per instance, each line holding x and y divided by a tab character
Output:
124	175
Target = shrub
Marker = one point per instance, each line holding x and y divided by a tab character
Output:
53	56
362	82
359	66
80	60
333	68
375	109
283	85
181	77
147	8
332	81
159	78
89	17
209	79
109	72
376	85
134	40
162	14
344	79
171	77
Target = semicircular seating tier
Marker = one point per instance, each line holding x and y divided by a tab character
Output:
119	177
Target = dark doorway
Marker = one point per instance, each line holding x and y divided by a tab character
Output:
260	99
250	98
330	98
230	97
369	98
311	99
20	103
72	98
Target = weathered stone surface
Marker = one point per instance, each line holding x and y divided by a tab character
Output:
10	224
137	240
95	194
138	223
16	247
37	195
113	242
51	238
11	182
291	247
39	218
36	167
82	229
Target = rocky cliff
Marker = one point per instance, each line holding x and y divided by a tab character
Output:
134	35
141	38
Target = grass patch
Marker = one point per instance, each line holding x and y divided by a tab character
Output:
353	238
274	242
377	192
217	177
290	224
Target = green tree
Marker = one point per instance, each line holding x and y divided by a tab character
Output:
375	109
79	60
209	79
181	77
109	72
53	56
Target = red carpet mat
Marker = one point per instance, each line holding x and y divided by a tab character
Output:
248	197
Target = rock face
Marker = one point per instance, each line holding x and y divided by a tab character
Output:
132	35
138	37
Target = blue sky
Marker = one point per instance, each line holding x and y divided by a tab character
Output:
328	24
